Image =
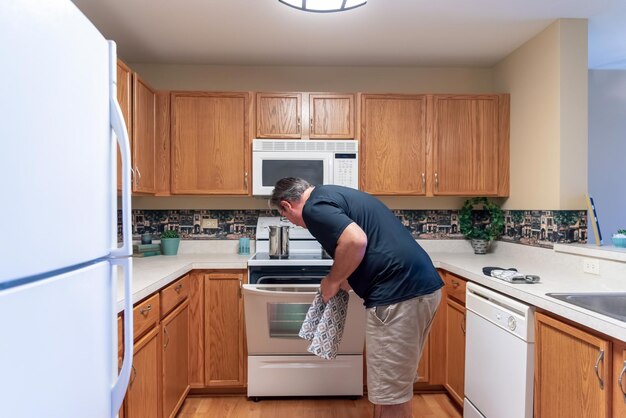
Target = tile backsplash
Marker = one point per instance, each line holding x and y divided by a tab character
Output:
541	228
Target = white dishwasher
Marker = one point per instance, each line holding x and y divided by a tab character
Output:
499	356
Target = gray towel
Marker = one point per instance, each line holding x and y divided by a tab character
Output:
324	323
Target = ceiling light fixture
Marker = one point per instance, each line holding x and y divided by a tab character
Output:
324	6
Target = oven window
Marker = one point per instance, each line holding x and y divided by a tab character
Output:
285	319
310	170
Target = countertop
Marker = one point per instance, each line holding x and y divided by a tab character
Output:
560	272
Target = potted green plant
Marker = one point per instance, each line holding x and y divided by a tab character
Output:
481	221
169	242
619	239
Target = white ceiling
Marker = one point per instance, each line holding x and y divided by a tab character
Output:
467	33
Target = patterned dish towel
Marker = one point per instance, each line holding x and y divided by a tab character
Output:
324	323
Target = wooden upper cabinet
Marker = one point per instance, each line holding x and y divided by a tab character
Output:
210	143
393	144
305	116
124	98
331	116
144	134
571	371
279	115
469	156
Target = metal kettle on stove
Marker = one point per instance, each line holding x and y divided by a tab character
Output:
279	241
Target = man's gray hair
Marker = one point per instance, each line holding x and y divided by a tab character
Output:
289	189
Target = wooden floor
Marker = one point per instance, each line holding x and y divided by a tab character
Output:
428	405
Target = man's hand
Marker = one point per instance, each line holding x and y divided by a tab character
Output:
329	288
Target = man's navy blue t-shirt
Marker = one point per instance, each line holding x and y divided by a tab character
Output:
394	268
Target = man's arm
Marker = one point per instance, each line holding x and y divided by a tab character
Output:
349	253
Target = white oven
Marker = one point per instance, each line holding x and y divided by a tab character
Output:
276	301
317	161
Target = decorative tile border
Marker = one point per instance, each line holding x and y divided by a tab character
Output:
541	228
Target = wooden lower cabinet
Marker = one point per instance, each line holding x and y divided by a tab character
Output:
224	344
571	371
455	350
619	379
175	348
142	397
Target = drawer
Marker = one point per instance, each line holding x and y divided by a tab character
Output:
174	294
145	316
455	286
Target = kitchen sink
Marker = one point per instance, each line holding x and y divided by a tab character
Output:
609	304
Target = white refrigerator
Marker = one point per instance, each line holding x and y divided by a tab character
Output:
60	126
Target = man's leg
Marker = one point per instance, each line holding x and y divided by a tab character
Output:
395	336
403	410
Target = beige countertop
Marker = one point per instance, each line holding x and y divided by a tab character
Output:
559	271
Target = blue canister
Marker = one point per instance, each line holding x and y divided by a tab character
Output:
244	246
146	238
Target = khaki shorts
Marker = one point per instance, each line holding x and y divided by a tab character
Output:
394	339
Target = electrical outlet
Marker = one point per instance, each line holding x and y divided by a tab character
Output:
591	265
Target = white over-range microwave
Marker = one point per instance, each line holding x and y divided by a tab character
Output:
317	161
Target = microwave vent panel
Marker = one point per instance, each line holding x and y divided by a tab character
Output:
348	146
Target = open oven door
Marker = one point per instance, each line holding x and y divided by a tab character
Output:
275	312
278	361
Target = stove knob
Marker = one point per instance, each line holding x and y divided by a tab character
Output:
512	323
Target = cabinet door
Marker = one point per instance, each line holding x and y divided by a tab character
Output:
455	350
393	144
465	145
142	397
124	97
144	133
571	371
619	379
210	143
175	345
224	330
278	115
332	116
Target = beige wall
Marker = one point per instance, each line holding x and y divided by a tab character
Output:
339	79
547	80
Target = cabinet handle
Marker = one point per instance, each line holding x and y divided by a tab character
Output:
138	175
167	338
134	376
455	284
311	126
619	381
463	325
436	182
178	288
298	125
133	177
240	287
423	181
245	179
144	311
598	360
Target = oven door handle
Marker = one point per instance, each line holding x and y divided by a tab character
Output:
288	280
285	290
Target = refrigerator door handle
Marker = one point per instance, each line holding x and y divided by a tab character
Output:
118	391
119	127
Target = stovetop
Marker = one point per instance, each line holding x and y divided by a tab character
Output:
294	259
